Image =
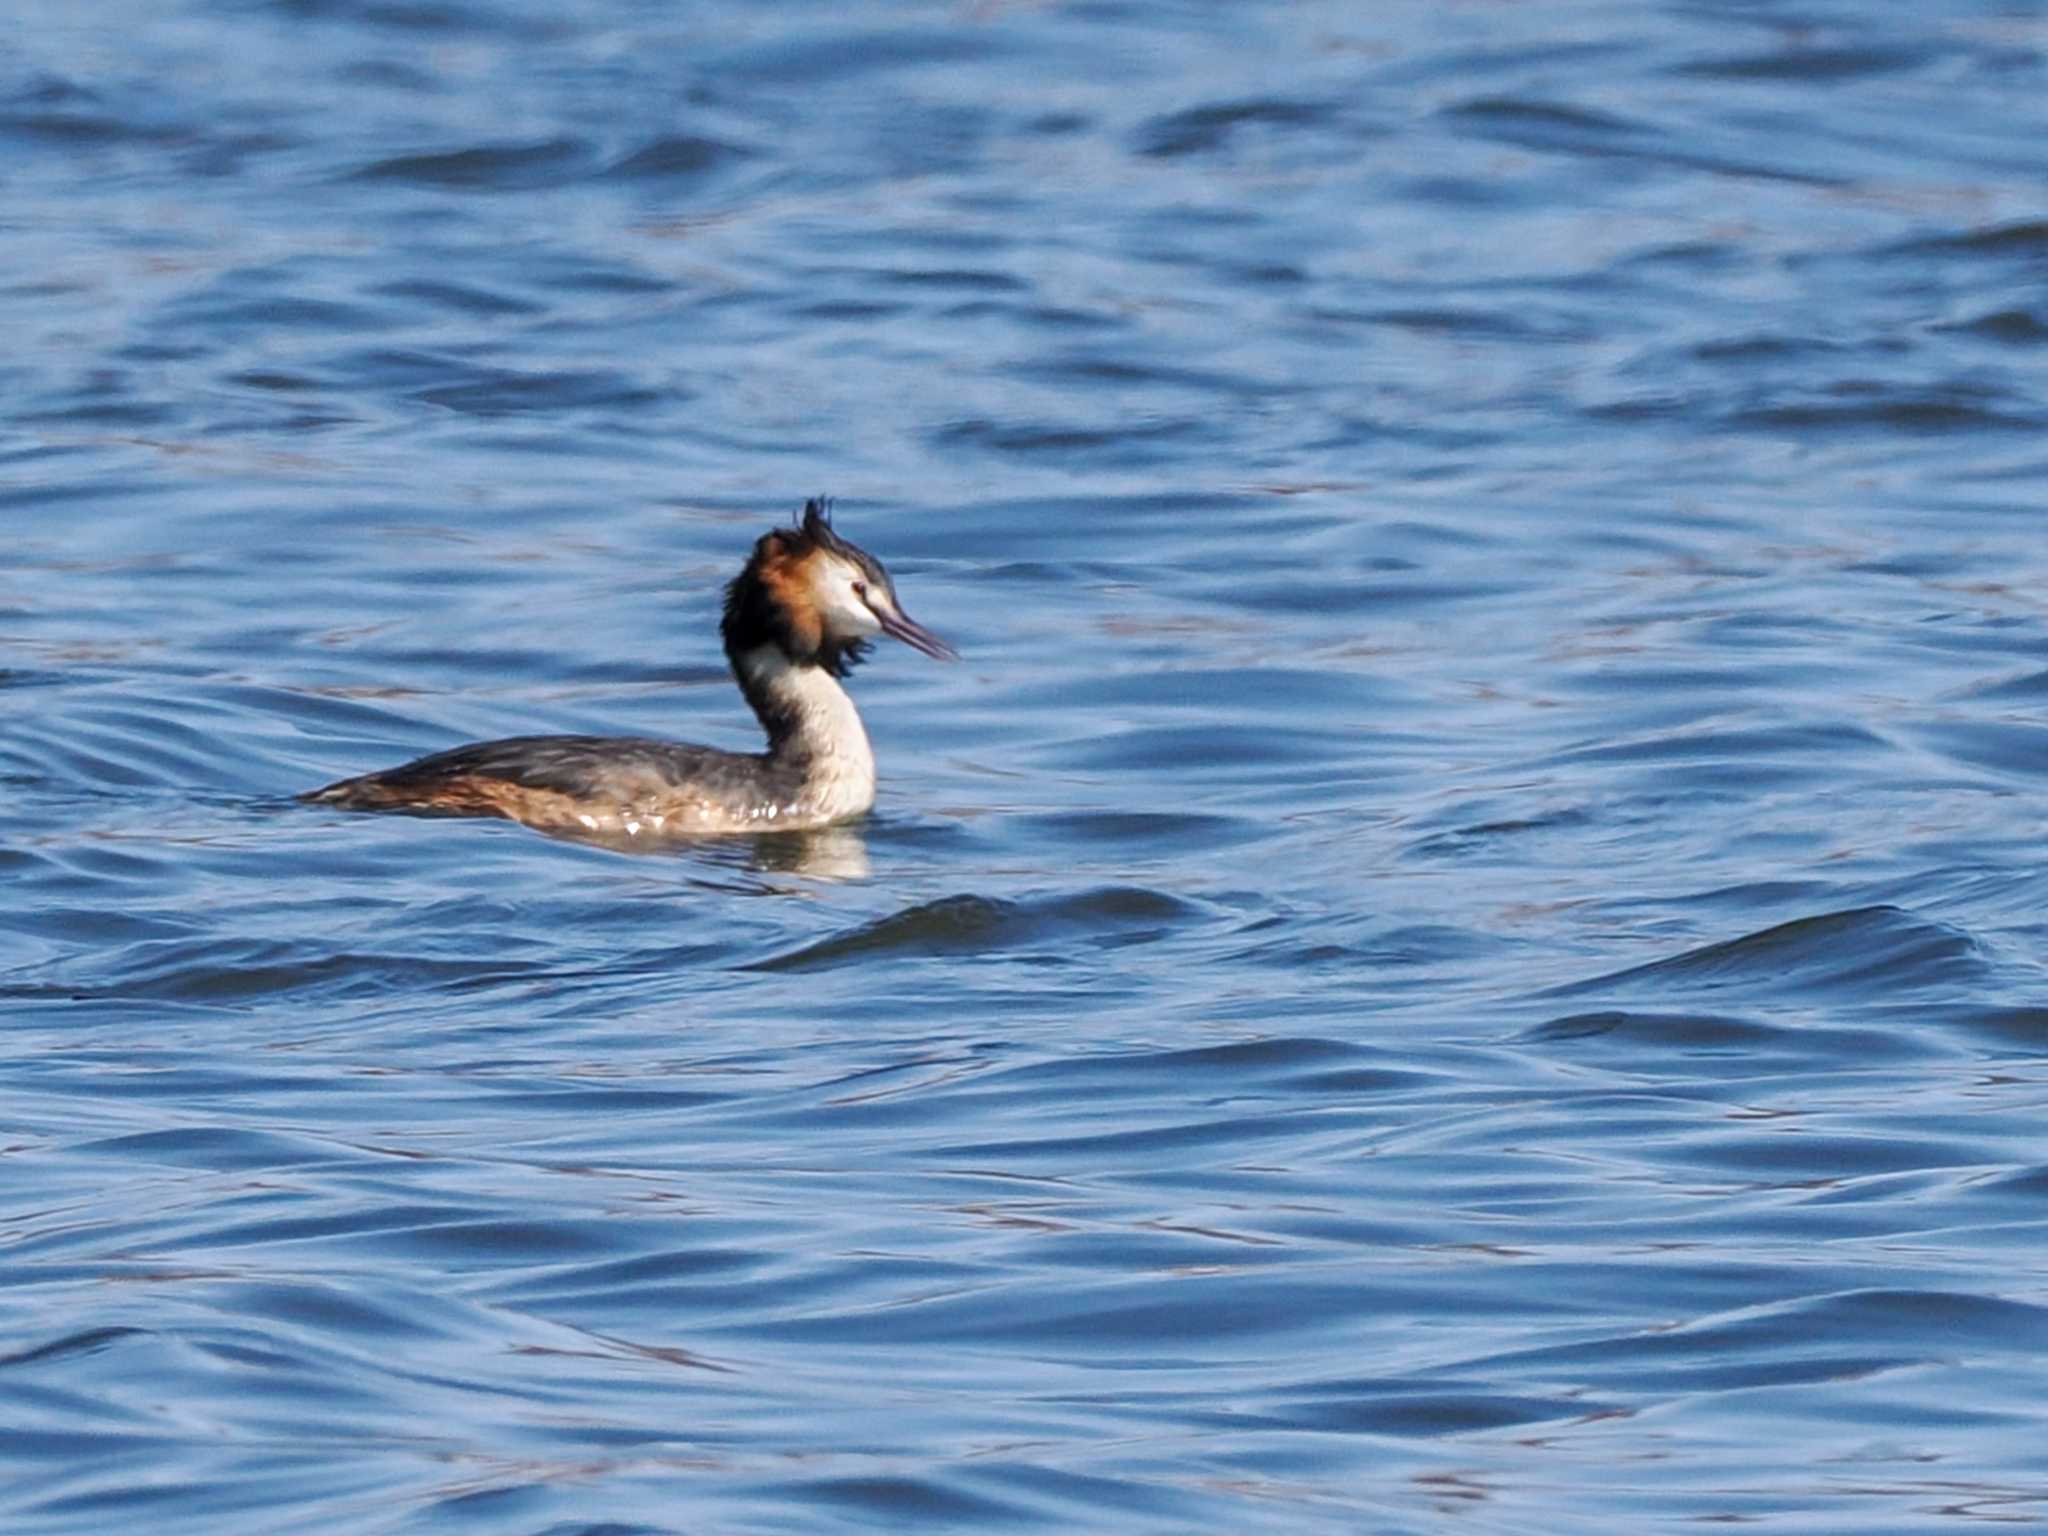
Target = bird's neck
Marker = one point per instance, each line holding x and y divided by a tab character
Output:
812	726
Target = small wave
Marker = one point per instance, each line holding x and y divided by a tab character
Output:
676	157
239	972
488	168
2015	327
87	1341
1207	129
1862	952
1812	1340
1851	407
1483	838
1811	64
1236	1064
1752	748
980	924
1563	128
1409	1407
1549	117
1681	1031
1126	444
2012	748
894	1502
222	1149
2026	239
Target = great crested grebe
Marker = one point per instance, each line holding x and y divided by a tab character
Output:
797	620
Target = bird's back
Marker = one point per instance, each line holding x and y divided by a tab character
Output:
578	783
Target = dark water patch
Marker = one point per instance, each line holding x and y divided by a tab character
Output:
228	310
677	157
1764	750
955	280
1066	1497
1351	1083
360	1225
1813	63
1777	346
87	1341
2016	749
599	1098
422	16
1514	324
1237	1063
216	1147
837	53
1283	1067
1283	943
242	972
53	492
1866	952
2024	1186
1110	917
1792	1156
168	1075
1091	367
1527	115
2009	327
511	167
463	298
2022	239
90	408
1563	128
612	278
59	112
502	392
1213	127
1162	1147
852	311
653	1280
2029	686
2024	1027
1407	1407
891	1501
491	1246
273	382
22	677
1137	441
1857	405
1663	681
1841	1335
1485	838
1703	1032
1203	1316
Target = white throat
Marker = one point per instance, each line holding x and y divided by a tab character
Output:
813	727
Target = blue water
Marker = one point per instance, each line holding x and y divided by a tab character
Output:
1464	953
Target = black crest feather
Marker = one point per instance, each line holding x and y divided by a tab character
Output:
751	614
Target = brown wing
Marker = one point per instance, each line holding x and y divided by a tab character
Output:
543	780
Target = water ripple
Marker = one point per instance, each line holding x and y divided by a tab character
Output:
1462	953
977	924
1866	952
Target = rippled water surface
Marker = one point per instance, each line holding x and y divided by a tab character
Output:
1463	952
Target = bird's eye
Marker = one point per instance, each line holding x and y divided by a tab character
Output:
860	590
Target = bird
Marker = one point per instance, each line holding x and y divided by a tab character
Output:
798	618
